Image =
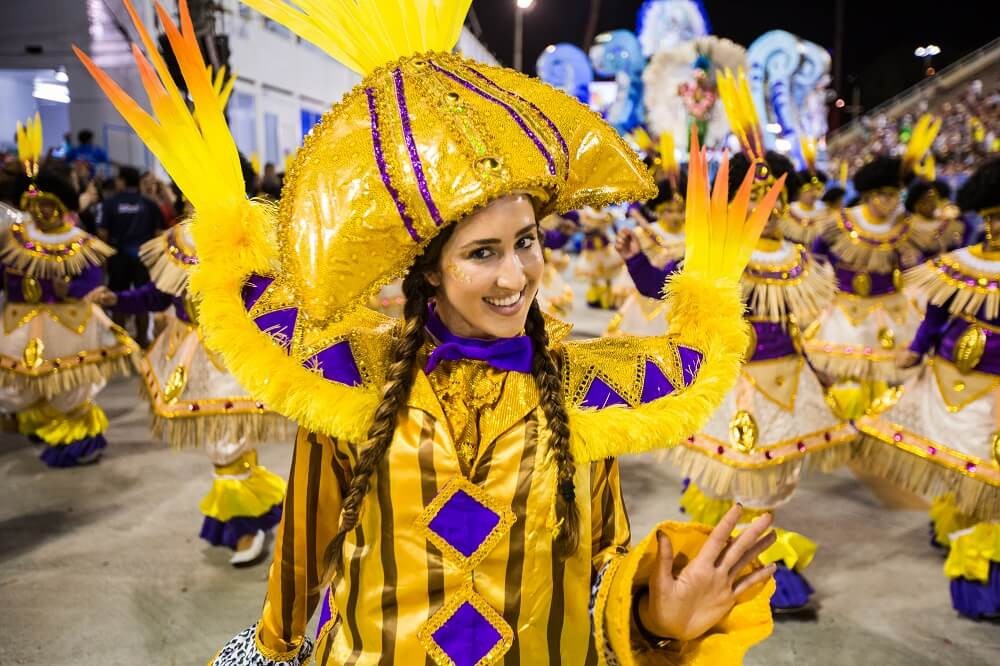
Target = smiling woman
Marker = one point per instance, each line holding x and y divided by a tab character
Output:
454	491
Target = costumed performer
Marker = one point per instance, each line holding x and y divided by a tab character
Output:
57	352
475	404
939	435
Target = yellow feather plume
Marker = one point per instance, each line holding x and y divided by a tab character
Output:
921	139
642	139
668	159
29	140
194	146
734	91
366	34
255	163
843	171
720	236
809	150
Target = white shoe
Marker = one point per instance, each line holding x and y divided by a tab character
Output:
242	558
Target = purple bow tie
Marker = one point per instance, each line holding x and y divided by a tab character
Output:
507	354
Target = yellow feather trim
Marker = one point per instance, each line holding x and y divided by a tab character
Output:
29	140
748	623
707	315
58	429
972	551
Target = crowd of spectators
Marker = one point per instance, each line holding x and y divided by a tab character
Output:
970	133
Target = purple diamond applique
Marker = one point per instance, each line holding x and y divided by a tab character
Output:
280	325
600	395
464	523
690	363
655	385
466	637
336	363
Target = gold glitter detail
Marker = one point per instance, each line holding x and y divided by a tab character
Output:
969	349
743	432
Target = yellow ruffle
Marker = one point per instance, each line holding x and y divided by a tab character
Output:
946	519
58	429
851	400
701	508
971	553
748	623
790	548
235	497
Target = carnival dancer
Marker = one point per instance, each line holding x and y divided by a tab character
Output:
659	235
454	478
555	295
776	420
57	352
598	263
927	201
939	434
808	216
196	403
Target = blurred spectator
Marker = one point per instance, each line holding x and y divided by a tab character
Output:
270	184
127	220
87	152
158	191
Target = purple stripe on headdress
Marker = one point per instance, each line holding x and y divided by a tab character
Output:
534	107
383	170
508	108
411	146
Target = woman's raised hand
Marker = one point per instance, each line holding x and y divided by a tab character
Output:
685	605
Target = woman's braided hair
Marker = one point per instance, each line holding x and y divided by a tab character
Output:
418	292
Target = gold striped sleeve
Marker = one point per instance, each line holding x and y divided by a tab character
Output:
308	525
610	530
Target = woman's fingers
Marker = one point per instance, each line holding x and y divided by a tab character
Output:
664	557
719	538
745	541
751	579
755	550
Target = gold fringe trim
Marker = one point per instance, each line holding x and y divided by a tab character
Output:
59	380
930	281
974	498
723	480
168	272
196	431
882	258
84	251
805	296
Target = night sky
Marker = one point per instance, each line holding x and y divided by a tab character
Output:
880	35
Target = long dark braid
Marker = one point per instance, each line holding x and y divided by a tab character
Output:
546	373
417	291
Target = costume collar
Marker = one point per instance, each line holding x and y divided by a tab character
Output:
506	354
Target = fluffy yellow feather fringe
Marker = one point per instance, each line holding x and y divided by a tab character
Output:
705	313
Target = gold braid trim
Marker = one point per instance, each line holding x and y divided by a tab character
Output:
946	278
915	470
804	296
41	259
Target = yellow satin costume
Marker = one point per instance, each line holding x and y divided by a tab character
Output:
427	138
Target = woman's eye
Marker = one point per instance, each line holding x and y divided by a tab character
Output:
525	242
481	253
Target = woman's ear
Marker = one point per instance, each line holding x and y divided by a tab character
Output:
433	278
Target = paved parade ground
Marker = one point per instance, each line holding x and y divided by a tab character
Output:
101	566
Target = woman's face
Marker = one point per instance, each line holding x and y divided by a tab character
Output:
489	271
883	202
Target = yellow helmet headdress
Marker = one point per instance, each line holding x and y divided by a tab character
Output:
921	139
427	138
